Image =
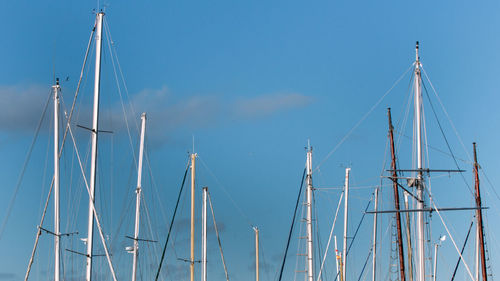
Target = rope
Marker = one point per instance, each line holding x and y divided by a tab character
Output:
291	227
171	223
362	119
218	237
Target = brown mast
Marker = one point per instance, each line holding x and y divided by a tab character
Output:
394	179
479	215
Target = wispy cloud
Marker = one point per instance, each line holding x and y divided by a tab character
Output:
262	106
8	276
21	107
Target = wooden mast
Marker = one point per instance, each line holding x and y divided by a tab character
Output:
479	215
394	179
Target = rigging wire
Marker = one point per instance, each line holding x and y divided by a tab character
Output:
172	223
446	139
110	42
218	237
291	227
449	234
23	170
227	193
92	205
462	251
361	120
330	237
447	115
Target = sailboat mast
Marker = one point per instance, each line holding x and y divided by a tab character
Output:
138	192
95	123
374	246
193	171
344	257
337	256
310	273
408	238
256	230
204	236
479	215
420	184
57	236
396	198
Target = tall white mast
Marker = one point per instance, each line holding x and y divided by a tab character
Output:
204	236
420	183
344	254
310	272
193	172
256	253
138	192
337	256
57	233
95	123
374	246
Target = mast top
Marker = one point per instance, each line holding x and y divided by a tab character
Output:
417	58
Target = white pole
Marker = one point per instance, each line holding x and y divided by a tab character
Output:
310	272
138	192
57	233
95	122
344	254
204	236
193	172
374	246
420	184
256	253
337	256
408	239
435	260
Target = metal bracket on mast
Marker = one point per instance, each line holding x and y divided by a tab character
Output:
60	234
89	129
430	210
139	239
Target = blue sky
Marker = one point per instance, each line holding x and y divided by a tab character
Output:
251	81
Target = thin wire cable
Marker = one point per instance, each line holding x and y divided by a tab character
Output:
449	234
330	237
218	237
109	41
171	223
99	228
446	139
25	165
227	193
447	115
291	227
361	120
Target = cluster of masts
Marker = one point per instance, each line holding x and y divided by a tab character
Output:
418	183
